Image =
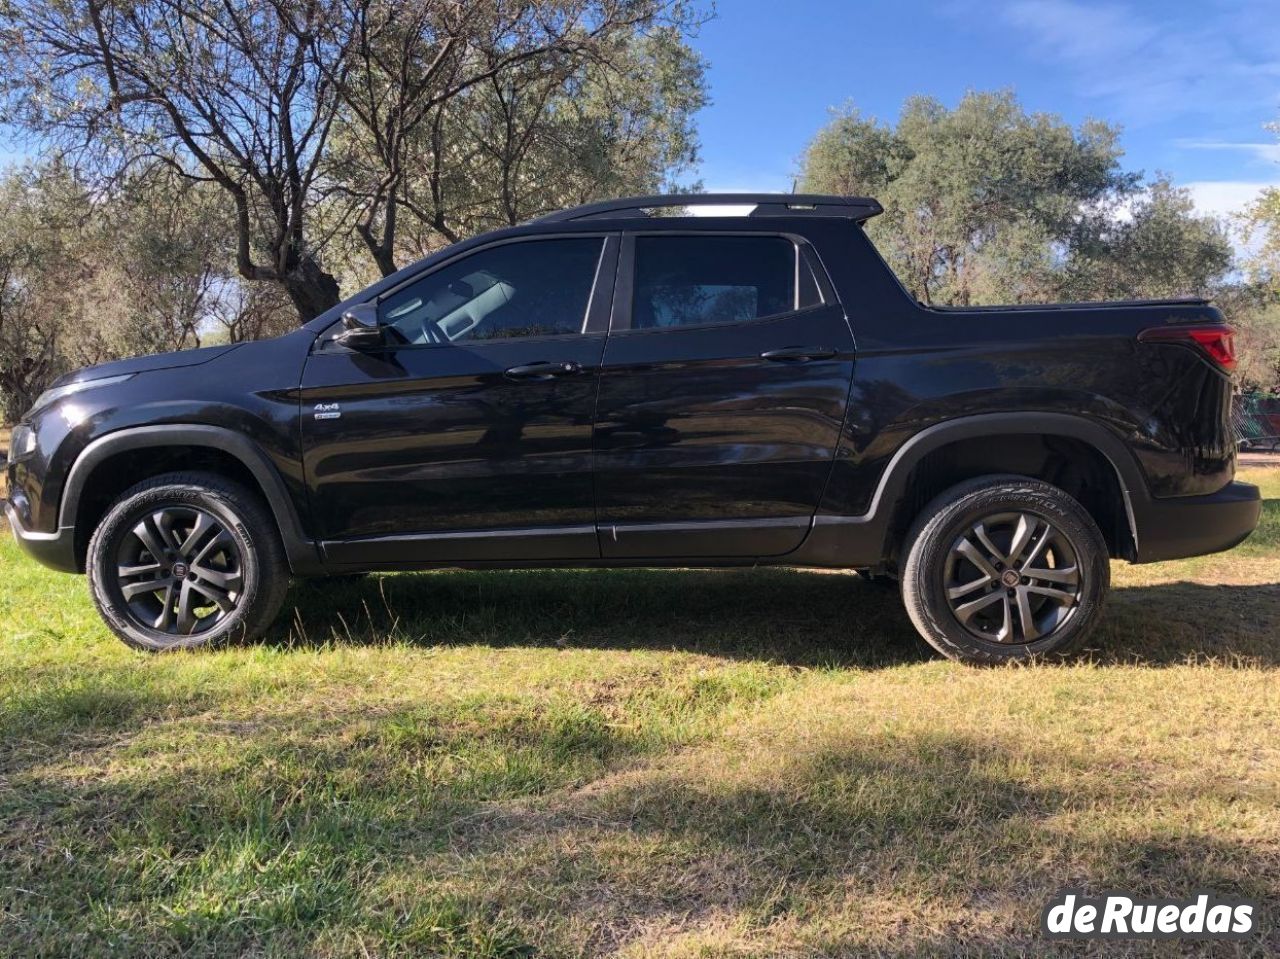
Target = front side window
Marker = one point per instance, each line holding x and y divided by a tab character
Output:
534	288
700	280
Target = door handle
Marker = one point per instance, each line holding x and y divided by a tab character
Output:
542	370
798	354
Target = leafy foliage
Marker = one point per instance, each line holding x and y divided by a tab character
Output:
224	169
89	276
1258	302
317	122
987	203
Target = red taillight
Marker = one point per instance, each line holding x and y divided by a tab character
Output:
1218	342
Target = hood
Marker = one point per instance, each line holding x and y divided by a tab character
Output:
144	364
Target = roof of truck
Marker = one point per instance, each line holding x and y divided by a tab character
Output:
857	208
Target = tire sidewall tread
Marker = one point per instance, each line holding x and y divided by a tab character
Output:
265	568
929	541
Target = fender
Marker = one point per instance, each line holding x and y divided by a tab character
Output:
862	541
303	555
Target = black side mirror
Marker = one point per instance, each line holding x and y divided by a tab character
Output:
360	328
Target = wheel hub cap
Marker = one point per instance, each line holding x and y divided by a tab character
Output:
1012	578
179	571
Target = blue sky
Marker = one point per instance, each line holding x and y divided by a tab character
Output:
1191	82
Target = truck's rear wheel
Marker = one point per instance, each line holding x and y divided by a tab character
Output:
185	560
1003	569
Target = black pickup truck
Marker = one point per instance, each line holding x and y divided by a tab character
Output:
608	386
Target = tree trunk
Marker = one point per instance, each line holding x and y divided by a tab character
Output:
311	289
382	254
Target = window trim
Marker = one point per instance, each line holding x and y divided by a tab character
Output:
624	288
595	318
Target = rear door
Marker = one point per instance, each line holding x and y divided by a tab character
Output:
468	436
722	395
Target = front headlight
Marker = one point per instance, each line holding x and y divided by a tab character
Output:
59	392
22	442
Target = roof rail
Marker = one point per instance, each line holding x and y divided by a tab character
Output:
857	208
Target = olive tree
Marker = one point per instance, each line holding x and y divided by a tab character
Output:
33	308
987	203
226	93
461	117
247	96
1256	308
88	275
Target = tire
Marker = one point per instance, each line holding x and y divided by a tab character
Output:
969	617
219	552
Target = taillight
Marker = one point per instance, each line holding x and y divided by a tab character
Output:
1218	342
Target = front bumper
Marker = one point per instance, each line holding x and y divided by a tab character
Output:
1183	526
55	550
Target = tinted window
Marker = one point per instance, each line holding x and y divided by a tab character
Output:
695	280
536	288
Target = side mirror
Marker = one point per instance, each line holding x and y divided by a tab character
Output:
360	327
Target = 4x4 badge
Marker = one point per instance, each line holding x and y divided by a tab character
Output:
328	411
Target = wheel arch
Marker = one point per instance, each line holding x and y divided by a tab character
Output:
93	478
905	485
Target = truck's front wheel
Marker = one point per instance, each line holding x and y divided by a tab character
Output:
1004	568
185	560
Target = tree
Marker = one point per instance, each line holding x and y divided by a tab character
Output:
230	94
160	250
39	216
248	311
1261	222
1158	247
986	203
546	102
1255	310
246	96
88	276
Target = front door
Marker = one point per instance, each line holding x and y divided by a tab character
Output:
722	394
467	437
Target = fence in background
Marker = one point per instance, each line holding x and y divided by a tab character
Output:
1255	417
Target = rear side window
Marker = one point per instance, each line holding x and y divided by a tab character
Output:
701	280
534	288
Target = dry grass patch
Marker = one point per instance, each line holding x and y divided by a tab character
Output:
840	819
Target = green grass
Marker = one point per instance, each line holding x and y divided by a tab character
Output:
635	763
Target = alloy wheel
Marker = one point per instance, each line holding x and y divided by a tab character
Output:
1013	578
179	571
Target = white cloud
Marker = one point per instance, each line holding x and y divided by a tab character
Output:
1225	197
1079	31
1266	152
1146	62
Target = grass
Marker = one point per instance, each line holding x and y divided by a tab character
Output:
632	763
